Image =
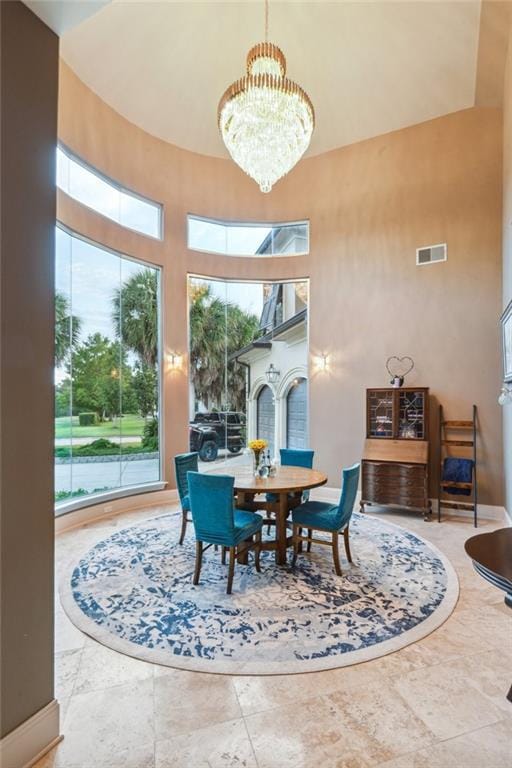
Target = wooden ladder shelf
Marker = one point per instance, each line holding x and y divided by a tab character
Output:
449	437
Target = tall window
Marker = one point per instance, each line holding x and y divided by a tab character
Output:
248	367
91	188
106	370
248	239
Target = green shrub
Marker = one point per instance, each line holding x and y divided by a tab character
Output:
102	447
102	444
63	495
150	435
87	418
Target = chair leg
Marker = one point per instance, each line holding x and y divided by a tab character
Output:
183	527
310	536
199	559
335	553
257	552
231	569
300	542
347	544
223	556
295	531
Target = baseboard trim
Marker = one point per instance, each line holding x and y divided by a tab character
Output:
170	496
27	743
485	511
114	507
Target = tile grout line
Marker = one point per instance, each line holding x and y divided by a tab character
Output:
442	741
250	742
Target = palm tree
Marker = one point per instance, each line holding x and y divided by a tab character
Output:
67	329
217	329
242	328
207	345
135	315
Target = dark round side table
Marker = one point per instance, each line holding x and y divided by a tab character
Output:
491	554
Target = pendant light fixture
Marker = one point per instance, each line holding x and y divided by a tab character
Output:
265	119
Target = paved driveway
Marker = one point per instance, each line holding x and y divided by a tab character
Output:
116	473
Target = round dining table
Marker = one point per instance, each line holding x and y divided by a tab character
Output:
287	485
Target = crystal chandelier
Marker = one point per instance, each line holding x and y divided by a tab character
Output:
265	119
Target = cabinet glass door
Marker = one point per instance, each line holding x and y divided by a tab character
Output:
380	413
411	419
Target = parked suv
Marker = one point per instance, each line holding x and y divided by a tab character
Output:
211	431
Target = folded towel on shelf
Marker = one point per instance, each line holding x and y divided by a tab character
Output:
457	470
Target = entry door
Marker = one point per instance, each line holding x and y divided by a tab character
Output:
266	417
296	415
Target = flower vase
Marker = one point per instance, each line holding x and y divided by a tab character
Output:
256	462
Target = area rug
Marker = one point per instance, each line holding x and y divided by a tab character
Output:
133	592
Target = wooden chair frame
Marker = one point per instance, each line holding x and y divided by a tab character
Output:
234	552
298	539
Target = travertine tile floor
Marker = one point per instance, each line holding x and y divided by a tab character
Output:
439	703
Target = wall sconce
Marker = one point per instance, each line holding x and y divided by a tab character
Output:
505	396
321	363
272	374
174	361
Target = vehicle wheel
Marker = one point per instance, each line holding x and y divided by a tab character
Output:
208	451
235	450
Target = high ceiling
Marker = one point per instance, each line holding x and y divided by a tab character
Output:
369	67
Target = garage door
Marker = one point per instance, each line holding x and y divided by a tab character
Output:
296	415
266	417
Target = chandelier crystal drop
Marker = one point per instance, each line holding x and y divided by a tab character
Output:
265	119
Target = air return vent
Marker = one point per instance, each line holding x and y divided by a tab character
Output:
431	253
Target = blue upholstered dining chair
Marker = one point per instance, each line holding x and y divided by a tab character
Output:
292	457
331	518
216	522
183	463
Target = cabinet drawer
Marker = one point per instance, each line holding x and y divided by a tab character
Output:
394	485
399	484
400	471
397	500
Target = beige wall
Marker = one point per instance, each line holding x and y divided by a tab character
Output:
29	70
507	254
370	206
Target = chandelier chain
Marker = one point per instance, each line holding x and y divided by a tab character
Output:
266	21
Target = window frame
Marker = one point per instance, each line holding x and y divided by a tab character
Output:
272	225
118	187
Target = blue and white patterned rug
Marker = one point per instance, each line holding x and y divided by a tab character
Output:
133	592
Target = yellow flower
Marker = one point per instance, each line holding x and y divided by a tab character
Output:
257	445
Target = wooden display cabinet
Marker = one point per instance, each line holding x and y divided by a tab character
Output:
396	452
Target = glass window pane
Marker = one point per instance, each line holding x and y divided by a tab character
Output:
247	239
140	215
62	170
291	238
87	186
95	370
107	370
64	332
207	356
138	294
264	393
206	235
93	191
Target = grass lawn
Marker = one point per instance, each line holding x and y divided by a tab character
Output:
130	425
